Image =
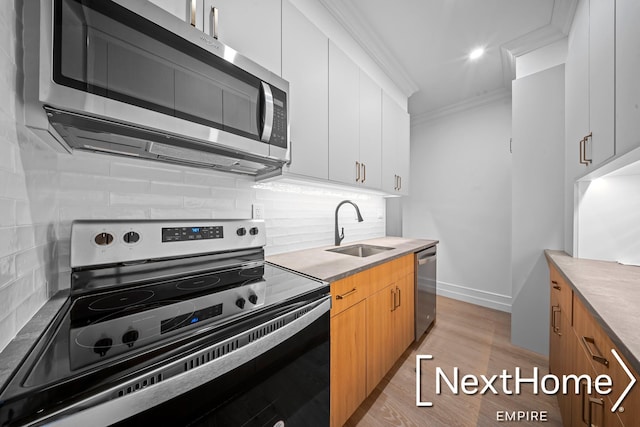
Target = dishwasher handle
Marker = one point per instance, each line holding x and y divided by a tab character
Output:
426	255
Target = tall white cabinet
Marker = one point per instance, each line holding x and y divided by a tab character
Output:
395	147
627	81
355	130
305	65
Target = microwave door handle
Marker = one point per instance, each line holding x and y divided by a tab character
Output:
267	112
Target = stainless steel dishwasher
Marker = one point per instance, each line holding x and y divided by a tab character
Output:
425	290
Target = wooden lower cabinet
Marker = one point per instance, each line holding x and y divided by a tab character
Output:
372	324
578	345
348	362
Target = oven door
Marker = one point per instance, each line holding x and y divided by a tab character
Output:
275	374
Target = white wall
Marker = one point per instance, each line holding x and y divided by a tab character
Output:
461	195
609	218
42	192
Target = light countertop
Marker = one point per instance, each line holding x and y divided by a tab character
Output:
331	266
611	292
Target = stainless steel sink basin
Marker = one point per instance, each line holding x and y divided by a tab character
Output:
360	251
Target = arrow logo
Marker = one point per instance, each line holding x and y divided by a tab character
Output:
631	382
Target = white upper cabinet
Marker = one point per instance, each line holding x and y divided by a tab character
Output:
601	80
252	27
355	114
344	110
590	91
370	149
395	147
190	11
627	81
305	65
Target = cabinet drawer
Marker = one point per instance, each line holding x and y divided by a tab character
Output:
561	293
592	338
349	291
594	341
390	272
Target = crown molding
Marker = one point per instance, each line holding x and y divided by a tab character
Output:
458	107
371	43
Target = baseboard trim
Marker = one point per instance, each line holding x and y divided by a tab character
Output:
475	296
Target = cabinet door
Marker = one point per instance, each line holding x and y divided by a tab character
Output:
305	65
348	363
182	9
370	132
252	27
627	82
380	335
403	154
391	136
577	92
344	107
601	80
404	322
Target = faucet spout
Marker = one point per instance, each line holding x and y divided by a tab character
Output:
340	236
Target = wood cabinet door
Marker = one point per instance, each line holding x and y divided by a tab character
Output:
370	150
237	24
344	128
404	322
627	82
348	362
305	65
380	335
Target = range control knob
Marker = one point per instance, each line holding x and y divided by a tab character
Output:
253	299
240	302
131	237
103	239
130	337
241	231
253	231
102	346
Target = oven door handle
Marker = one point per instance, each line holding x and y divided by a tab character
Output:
104	406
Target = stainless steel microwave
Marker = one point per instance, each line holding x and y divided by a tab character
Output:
126	77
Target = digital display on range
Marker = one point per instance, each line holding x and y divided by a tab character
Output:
181	234
181	321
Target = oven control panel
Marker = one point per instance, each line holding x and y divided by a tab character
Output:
95	242
116	334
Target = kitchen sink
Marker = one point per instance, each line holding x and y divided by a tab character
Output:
360	251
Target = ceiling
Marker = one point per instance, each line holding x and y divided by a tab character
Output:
423	45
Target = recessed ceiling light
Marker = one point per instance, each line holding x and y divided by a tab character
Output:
476	53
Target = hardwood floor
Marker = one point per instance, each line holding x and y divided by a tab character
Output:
477	341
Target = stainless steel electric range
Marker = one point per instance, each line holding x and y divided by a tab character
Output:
177	323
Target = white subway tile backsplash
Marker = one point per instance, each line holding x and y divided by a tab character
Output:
85	181
68	214
209	179
7	212
8	327
86	163
7	269
8	241
143	170
157	213
139	199
178	189
210	203
83	198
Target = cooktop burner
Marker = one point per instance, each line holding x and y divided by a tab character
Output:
121	300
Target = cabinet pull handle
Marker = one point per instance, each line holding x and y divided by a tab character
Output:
399	297
346	294
590	341
357	171
599	402
582	161
400	179
393	300
554	310
586	139
192	12
555	285
583	393
364	172
214	22
395	184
